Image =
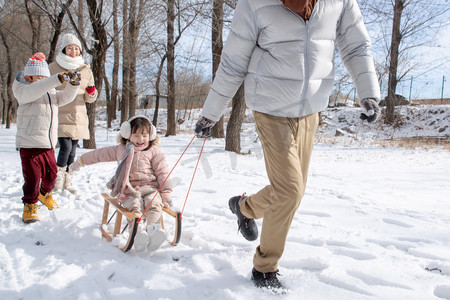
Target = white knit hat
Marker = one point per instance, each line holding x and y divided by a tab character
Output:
70	39
37	66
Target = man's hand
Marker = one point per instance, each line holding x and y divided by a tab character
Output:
203	127
370	109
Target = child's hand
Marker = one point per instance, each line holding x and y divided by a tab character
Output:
167	202
75	78
76	165
90	90
63	77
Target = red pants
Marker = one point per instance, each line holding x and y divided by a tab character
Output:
39	171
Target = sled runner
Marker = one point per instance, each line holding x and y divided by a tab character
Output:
121	212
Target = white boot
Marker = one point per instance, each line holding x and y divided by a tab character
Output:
140	241
156	235
68	184
60	179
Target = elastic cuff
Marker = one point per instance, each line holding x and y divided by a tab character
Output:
80	161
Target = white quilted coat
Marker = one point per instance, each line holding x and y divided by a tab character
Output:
288	63
37	115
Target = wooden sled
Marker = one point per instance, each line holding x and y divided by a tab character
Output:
121	212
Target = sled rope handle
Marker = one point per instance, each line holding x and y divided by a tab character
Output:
157	192
193	175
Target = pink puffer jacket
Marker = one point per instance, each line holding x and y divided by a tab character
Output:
149	168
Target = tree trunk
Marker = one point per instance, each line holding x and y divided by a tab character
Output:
393	64
111	106
157	90
34	27
80	16
217	46
233	138
134	34
98	64
10	100
57	22
125	65
171	123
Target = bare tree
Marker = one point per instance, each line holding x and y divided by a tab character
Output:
217	46
98	52
111	105
171	125
136	16
183	16
35	26
233	138
414	23
9	105
50	8
125	103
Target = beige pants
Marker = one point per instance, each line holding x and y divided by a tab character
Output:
138	205
287	145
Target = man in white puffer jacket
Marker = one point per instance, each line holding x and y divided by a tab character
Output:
37	129
283	51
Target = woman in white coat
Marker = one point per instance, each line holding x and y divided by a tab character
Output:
73	122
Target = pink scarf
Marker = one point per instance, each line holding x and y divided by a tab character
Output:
121	179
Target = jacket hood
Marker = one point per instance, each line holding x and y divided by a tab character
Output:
21	78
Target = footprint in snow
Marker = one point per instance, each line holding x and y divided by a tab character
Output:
358	255
396	222
442	291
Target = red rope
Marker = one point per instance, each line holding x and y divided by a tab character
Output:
193	175
166	179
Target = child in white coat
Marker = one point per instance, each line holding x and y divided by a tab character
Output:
37	125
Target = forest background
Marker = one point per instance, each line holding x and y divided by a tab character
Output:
165	52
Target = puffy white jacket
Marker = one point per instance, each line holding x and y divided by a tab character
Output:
37	115
288	63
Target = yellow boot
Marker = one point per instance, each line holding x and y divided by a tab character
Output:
30	213
47	200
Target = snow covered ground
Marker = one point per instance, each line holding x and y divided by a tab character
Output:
374	223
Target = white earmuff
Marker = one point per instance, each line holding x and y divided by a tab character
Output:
125	128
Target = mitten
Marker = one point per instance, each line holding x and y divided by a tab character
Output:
167	202
90	90
203	127
370	109
75	78
76	165
63	77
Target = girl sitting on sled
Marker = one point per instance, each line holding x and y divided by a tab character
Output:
141	172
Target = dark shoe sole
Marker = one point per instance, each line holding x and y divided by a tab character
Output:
30	221
263	283
250	233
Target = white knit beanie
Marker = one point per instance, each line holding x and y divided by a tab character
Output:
37	66
70	39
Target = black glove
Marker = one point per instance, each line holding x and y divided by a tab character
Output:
203	127
371	110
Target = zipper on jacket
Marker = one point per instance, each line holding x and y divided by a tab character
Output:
305	58
51	121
